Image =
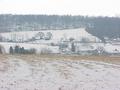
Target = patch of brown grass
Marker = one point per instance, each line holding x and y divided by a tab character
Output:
31	57
3	57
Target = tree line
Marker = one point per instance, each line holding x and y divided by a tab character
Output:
21	50
98	26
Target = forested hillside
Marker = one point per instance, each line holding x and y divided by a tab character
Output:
98	26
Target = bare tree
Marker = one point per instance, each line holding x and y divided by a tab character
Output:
40	35
48	36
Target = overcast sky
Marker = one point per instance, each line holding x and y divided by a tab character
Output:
61	7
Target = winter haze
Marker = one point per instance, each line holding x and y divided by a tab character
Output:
59	45
61	7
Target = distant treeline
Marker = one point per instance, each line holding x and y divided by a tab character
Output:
98	26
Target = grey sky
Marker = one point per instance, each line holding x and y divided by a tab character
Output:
60	7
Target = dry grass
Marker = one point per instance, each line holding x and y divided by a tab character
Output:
109	59
3	57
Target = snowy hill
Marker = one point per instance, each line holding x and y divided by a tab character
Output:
40	40
57	35
52	41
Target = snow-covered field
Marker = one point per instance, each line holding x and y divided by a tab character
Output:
57	35
55	49
17	73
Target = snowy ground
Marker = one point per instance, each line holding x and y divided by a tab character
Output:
45	74
57	35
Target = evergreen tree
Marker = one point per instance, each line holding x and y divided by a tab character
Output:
22	50
11	51
73	47
0	50
17	49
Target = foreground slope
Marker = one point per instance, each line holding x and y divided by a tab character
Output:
38	73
